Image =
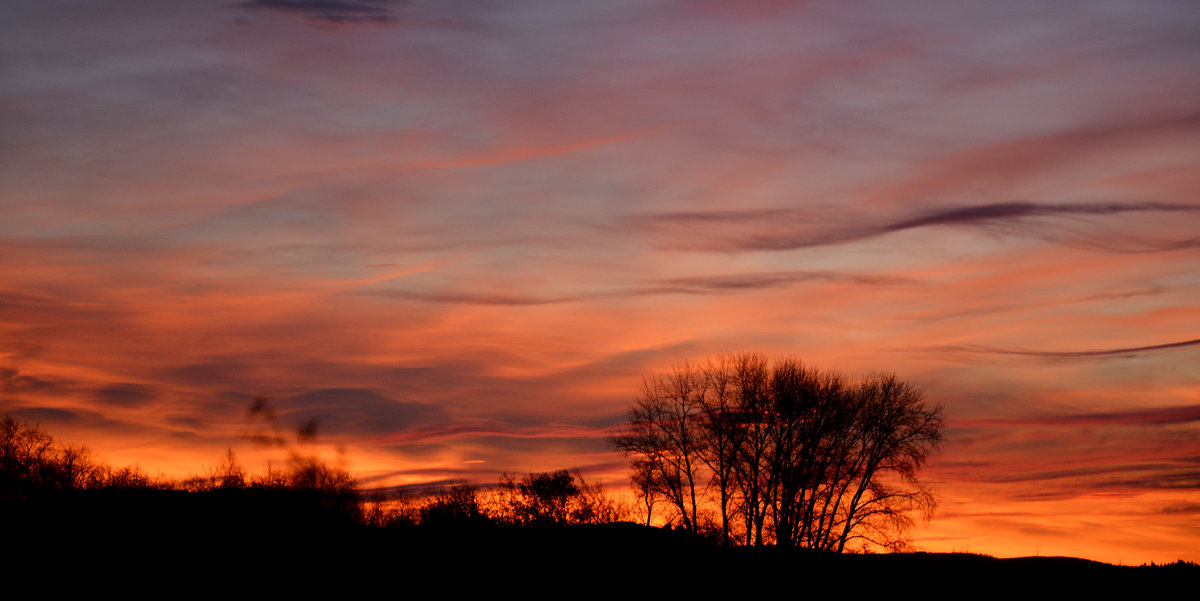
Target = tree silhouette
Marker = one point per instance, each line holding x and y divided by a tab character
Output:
554	499
545	498
228	473
455	506
26	459
32	464
663	433
805	458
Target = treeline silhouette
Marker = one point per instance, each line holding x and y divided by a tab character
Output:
33	465
311	518
51	486
64	510
40	477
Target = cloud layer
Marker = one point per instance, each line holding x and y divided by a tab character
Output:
455	235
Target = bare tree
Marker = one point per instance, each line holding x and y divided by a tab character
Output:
647	486
722	434
593	505
896	433
755	479
664	434
32	463
25	453
77	468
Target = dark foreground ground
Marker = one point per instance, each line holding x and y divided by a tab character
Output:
167	542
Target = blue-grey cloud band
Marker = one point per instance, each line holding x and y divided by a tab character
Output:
700	285
330	11
800	232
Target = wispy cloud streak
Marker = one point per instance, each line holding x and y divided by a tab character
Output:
802	229
698	286
1067	355
1158	475
331	11
1158	416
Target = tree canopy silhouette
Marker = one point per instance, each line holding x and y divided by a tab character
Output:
554	499
758	451
33	465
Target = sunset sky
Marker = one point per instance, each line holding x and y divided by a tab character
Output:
459	233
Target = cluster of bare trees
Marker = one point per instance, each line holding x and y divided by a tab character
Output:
33	464
38	473
759	452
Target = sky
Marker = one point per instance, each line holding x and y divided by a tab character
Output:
458	234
